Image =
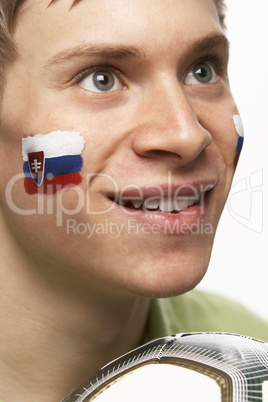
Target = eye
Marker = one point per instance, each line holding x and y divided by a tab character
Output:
101	81
201	73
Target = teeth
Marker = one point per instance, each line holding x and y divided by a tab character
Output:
181	203
136	203
164	204
152	203
192	201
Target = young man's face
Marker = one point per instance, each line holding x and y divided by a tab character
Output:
145	83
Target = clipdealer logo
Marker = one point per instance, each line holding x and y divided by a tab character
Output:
82	201
245	202
132	227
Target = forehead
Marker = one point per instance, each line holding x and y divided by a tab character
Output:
56	24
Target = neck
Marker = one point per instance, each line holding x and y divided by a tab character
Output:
53	338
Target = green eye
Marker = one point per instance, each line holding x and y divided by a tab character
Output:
201	73
101	81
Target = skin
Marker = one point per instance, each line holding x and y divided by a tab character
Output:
158	127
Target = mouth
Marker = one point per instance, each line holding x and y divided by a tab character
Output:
167	204
163	199
172	209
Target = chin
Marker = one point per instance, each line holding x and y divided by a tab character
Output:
169	280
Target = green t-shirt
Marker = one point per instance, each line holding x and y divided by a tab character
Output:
198	311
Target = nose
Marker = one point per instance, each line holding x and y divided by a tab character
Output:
170	127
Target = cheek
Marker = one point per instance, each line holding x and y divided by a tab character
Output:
11	178
217	118
227	140
52	161
33	175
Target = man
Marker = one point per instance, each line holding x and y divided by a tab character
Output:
129	133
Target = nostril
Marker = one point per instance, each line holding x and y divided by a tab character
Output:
160	154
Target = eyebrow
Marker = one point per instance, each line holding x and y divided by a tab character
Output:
73	4
118	52
209	42
104	51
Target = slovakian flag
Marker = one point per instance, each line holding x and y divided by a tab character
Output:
52	161
240	131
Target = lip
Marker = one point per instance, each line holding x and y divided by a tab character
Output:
185	221
164	190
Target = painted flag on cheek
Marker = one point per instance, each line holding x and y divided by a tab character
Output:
52	161
240	131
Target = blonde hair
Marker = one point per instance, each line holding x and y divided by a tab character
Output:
8	14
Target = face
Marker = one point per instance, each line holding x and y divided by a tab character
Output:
145	83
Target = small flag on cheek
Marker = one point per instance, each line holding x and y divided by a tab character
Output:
52	161
240	131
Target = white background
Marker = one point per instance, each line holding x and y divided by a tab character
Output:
239	264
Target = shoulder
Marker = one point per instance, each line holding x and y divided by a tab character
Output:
199	311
